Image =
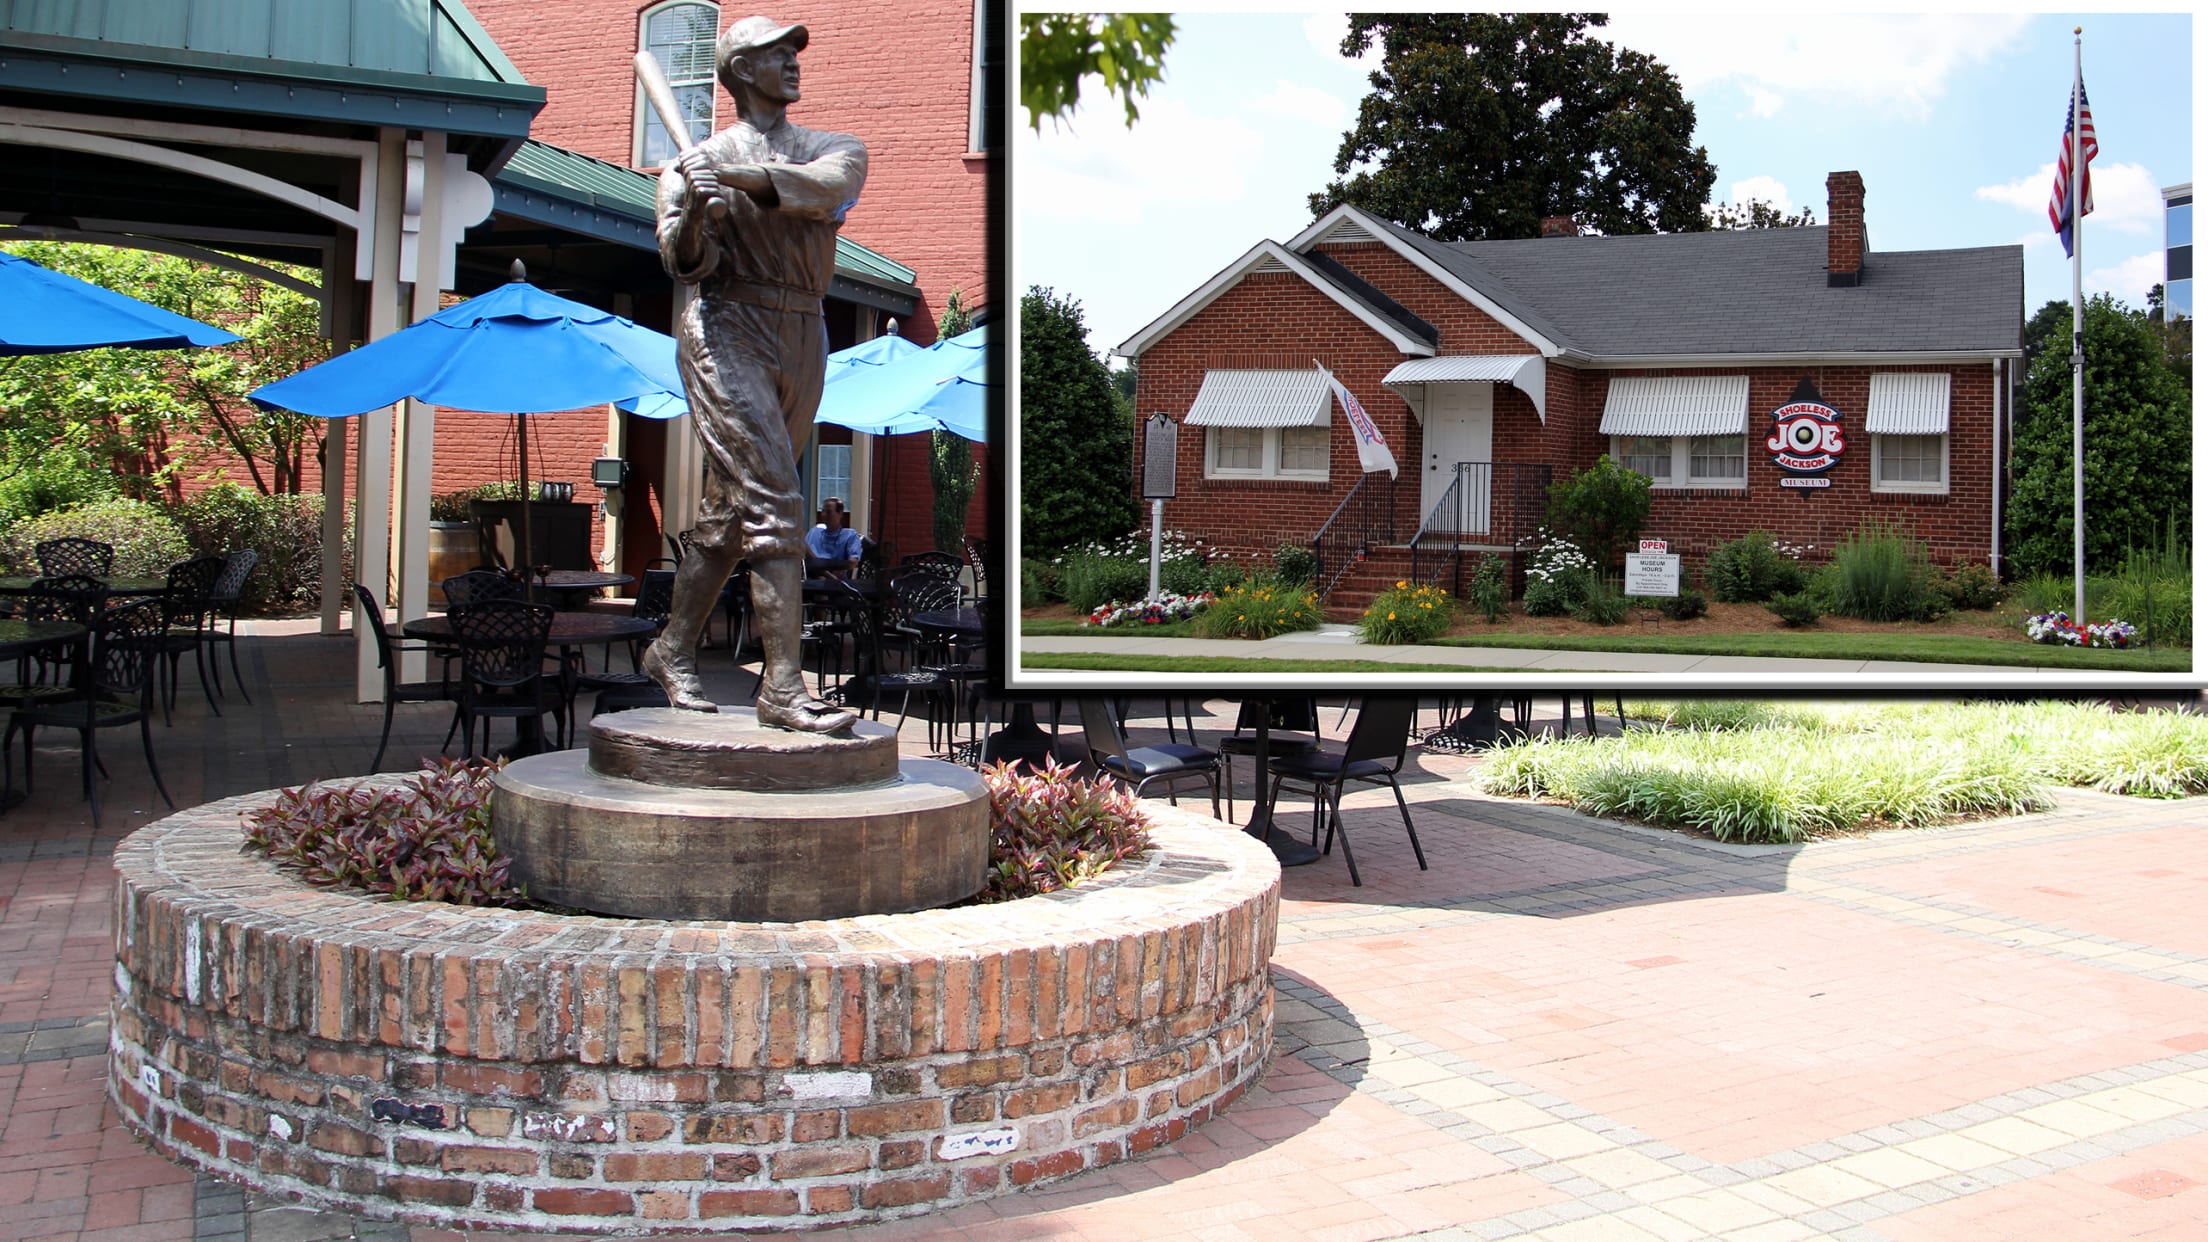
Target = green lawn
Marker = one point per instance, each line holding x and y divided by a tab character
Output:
1088	660
1913	648
1813	645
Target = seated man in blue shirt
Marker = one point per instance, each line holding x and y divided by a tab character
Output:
832	548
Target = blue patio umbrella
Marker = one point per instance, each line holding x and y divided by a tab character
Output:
515	350
43	311
945	386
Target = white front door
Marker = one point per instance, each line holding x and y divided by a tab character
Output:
1460	423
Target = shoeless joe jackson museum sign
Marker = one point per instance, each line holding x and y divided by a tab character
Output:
1805	439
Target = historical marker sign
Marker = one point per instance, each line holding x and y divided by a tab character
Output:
1160	438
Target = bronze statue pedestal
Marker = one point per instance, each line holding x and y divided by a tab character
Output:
686	815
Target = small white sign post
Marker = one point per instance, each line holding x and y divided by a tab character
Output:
1652	571
1159	448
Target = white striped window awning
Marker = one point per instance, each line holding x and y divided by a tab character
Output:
1525	372
1297	398
1908	403
1676	405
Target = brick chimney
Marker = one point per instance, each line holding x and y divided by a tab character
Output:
1844	241
1559	226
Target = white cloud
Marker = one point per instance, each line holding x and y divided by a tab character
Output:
1890	64
1095	168
2128	280
2126	197
1326	32
1769	189
1306	103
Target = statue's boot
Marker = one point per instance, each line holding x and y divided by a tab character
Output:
671	660
784	703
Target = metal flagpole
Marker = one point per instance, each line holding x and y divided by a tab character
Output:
2077	323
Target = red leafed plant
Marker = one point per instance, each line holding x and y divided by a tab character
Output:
1049	830
427	840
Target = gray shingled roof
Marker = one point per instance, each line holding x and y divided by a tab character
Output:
1741	292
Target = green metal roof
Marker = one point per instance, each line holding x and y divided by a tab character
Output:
424	63
574	191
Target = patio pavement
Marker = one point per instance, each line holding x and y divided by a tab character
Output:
1564	1029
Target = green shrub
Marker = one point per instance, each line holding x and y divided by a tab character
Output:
1796	608
55	482
1222	574
1603	604
1879	573
146	542
1489	590
1968	587
1407	614
285	530
1040	582
1557	578
1685	606
1601	509
1751	569
1090	580
428	840
1048	830
1295	562
1260	608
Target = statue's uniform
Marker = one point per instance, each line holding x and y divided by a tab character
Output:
752	346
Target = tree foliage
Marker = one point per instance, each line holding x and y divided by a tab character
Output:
1758	214
1058	50
149	418
1076	447
1481	124
2138	447
951	468
1601	509
2048	328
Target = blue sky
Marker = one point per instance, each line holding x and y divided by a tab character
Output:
1954	120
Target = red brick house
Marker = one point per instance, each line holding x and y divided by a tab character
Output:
1493	368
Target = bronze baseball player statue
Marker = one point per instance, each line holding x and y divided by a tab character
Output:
749	216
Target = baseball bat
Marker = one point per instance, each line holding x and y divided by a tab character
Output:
662	98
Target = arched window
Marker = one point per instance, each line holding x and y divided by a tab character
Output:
680	37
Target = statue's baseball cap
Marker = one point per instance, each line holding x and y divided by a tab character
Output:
753	33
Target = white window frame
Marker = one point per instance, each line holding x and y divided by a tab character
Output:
643	109
1682	461
821	475
977	88
1878	484
1269	457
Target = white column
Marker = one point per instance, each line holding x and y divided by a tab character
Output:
418	420
611	502
372	510
337	305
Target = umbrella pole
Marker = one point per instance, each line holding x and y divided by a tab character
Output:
521	436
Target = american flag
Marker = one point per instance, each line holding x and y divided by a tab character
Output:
2058	208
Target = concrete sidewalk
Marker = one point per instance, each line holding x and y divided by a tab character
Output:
1563	1029
1339	642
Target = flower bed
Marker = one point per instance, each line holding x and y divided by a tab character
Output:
1160	609
2057	629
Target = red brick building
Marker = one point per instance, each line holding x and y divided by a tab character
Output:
1494	368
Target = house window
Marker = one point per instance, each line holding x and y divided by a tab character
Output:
1680	430
1685	461
1907	420
985	110
1266	452
832	473
680	38
1909	463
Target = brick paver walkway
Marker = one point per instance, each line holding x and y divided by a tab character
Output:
1564	1029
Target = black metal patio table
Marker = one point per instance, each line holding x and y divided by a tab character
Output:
22	638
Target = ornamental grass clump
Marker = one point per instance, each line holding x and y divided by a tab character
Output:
1407	614
1049	830
1260	608
1881	573
426	840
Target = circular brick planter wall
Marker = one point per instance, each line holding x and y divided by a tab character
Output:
508	1068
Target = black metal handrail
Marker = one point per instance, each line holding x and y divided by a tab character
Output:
1499	503
1340	543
